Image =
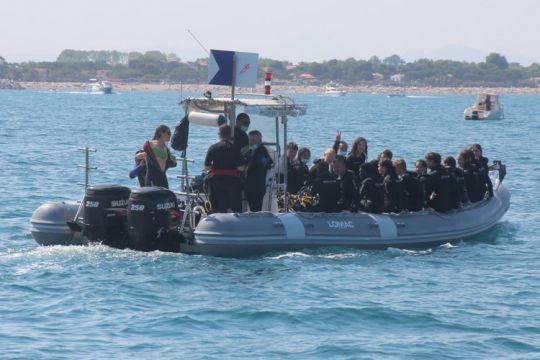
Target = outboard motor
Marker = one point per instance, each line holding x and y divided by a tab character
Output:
152	218
105	209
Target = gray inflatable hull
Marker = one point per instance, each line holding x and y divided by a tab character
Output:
49	224
249	234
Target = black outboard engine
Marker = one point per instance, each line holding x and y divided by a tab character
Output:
105	214
152	218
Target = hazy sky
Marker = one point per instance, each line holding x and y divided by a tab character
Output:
310	30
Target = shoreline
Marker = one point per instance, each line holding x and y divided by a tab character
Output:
294	89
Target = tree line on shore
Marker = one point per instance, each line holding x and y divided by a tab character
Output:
156	66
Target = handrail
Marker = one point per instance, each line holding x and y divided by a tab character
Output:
86	165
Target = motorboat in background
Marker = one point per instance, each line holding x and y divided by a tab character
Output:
334	89
486	107
100	87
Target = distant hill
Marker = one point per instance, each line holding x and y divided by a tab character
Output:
473	69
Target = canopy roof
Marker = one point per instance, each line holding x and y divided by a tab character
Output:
270	106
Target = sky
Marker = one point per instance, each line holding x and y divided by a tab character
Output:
294	30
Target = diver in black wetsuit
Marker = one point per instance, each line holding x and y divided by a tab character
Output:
358	155
240	132
321	166
299	172
157	158
394	195
412	186
450	164
258	162
371	194
224	161
421	173
481	165
470	175
337	189
441	187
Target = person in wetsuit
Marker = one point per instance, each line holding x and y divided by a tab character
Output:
224	162
258	162
421	168
412	186
240	132
371	194
337	189
299	172
322	165
157	158
394	195
358	155
441	187
386	154
473	180
481	165
450	164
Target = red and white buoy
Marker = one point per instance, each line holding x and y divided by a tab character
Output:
267	83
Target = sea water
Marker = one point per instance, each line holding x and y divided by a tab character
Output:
474	299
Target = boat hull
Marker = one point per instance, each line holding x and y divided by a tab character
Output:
243	235
252	234
473	114
335	93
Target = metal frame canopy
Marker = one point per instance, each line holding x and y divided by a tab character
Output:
275	106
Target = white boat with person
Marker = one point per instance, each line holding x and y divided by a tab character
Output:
156	218
334	89
486	107
99	87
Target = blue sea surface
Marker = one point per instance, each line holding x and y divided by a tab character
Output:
474	299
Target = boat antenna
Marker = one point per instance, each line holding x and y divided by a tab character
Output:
198	42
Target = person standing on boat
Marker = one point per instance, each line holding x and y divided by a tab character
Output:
258	162
157	157
240	132
441	187
299	172
224	162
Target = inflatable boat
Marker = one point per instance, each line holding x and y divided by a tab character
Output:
154	218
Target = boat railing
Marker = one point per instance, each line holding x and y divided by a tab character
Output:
87	168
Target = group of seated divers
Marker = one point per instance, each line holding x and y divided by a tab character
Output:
342	181
347	181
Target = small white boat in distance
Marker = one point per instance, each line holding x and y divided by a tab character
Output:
486	107
99	87
334	89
